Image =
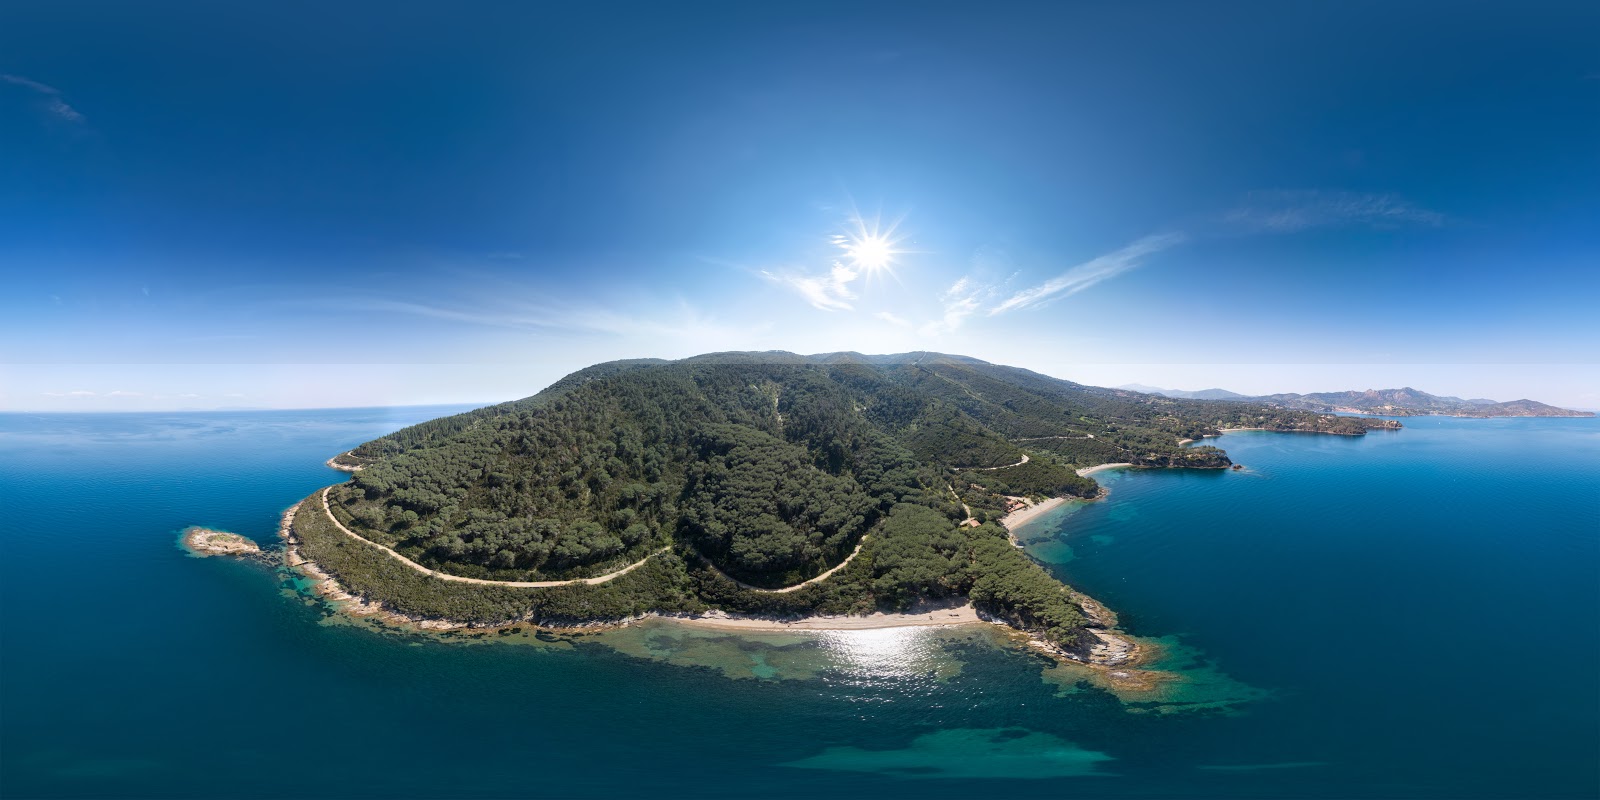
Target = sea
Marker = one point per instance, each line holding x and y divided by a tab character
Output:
1411	614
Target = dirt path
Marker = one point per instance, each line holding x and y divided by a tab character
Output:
964	506
800	585
480	581
1003	466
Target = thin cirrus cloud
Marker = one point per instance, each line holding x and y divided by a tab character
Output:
961	300
828	292
1089	273
686	323
1290	212
53	104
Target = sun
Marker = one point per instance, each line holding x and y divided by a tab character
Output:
870	247
870	252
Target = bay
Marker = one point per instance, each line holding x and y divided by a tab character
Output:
1414	614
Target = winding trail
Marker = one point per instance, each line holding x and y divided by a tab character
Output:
787	589
482	582
991	469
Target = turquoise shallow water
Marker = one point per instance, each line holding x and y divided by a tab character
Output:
1405	615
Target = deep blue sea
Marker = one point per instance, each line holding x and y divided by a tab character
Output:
1409	614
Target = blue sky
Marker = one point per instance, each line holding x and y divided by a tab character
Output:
216	205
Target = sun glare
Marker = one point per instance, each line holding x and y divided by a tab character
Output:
870	247
871	252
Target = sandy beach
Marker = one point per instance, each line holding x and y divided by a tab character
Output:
961	615
1022	515
1087	471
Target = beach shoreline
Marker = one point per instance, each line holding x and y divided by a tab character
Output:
938	617
1030	512
1275	430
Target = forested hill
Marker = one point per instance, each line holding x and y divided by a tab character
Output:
771	465
1405	402
1408	402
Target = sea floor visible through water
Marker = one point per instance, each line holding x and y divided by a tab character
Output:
1406	614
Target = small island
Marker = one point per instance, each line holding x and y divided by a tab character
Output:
206	542
754	490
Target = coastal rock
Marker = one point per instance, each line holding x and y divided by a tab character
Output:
206	542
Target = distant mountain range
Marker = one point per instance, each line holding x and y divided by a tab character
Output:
1404	402
1203	394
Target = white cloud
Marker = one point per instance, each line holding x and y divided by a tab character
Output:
892	319
53	103
1089	273
830	292
1289	212
961	300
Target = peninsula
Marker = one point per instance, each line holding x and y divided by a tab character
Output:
753	485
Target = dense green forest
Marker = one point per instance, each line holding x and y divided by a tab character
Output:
769	467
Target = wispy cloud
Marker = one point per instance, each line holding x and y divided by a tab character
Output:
684	322
892	319
53	104
1288	212
829	292
474	315
1089	273
961	300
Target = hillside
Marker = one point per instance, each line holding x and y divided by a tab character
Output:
754	470
1203	394
1406	402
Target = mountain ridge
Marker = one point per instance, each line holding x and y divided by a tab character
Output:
1403	402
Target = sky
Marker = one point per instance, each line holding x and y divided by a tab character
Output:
234	205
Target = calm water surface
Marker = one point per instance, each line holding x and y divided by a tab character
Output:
1413	614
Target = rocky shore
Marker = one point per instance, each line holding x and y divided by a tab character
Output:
207	542
1103	648
334	463
326	587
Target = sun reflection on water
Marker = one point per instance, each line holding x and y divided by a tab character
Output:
884	652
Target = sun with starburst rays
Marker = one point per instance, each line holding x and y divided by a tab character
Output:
870	247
